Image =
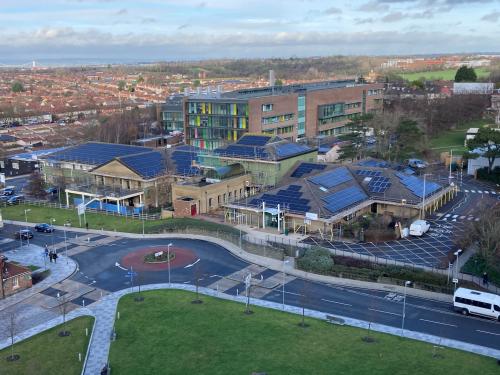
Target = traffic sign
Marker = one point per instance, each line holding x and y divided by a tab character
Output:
81	208
455	281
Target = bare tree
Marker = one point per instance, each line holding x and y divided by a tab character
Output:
11	328
64	309
139	297
303	301
197	277
36	186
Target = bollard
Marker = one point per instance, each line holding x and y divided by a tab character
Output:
86	331
83	302
118	316
101	293
79	357
237	292
88	239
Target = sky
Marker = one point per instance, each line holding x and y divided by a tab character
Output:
194	29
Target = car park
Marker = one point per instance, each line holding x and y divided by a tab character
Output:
44	227
24	234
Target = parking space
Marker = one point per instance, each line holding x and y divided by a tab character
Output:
430	250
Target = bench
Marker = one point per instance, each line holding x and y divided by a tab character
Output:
334	320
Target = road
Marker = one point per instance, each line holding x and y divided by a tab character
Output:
217	268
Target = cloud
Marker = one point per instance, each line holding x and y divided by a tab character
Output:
399	16
361	21
333	10
122	12
491	17
373	6
183	26
147	20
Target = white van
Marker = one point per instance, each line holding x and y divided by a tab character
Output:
419	227
468	301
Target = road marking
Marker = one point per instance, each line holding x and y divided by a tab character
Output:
462	217
338	303
292	293
447	215
486	192
472	191
480	191
455	216
215	276
118	265
466	191
192	264
494	193
489	333
432	321
187	282
385	312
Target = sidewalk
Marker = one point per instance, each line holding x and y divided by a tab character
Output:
34	255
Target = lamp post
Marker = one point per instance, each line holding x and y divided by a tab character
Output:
457	253
65	242
407	283
52	221
26	220
423	195
168	259
284	276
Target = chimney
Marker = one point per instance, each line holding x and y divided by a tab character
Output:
272	78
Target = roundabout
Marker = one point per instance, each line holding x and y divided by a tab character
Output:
143	259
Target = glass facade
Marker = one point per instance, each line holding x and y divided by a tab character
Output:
172	120
213	124
301	118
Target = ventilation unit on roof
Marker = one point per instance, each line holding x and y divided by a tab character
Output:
367	180
323	189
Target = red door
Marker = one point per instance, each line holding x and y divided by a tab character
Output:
193	210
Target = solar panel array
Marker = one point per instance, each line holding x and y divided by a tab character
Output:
306	168
374	163
241	151
254	140
332	178
147	164
379	184
289	149
416	185
95	153
183	161
289	198
344	198
368	173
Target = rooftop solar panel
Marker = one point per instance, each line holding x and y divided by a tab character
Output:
379	184
289	149
374	163
416	185
288	199
147	164
241	151
344	198
332	178
306	168
253	140
366	172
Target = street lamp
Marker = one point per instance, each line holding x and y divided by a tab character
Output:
457	253
168	259
26	220
66	243
407	283
423	195
284	276
52	221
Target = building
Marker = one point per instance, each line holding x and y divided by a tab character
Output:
266	158
170	114
319	198
13	277
473	164
214	119
467	88
24	163
111	177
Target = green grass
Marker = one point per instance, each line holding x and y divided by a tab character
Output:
454	139
447	75
166	333
107	222
49	354
476	265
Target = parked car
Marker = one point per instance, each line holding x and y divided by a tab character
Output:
51	190
44	227
16	199
8	191
24	234
417	163
419	227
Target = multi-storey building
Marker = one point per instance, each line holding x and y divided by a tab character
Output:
170	113
213	119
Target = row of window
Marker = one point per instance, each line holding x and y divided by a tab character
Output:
233	109
267	107
334	131
279	131
330	110
471	302
214	133
352	105
332	120
218	121
375	92
276	119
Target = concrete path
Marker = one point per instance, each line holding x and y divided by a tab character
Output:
34	255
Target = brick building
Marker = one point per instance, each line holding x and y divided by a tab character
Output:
213	119
13	278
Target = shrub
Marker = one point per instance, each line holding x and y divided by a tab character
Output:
316	260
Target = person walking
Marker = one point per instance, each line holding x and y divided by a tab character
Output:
485	279
46	250
55	256
50	256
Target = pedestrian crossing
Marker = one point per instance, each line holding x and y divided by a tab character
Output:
476	191
456	217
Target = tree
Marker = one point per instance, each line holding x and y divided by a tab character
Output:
63	309
121	85
196	83
17	87
303	301
351	144
487	141
36	185
465	74
408	138
197	277
10	325
278	82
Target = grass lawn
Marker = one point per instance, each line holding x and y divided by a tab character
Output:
101	221
49	354
167	334
454	138
447	75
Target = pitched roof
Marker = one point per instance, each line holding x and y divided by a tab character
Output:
147	164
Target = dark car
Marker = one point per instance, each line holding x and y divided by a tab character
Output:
51	190
24	234
16	199
44	227
8	191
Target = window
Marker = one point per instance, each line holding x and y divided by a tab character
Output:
497	308
15	282
276	119
267	107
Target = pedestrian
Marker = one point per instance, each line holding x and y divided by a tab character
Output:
87	225
50	256
55	257
485	279
46	250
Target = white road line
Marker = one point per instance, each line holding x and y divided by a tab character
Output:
339	303
494	193
466	191
432	321
385	312
455	216
480	191
462	217
192	264
489	333
447	215
472	191
486	192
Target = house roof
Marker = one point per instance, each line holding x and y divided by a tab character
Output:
146	164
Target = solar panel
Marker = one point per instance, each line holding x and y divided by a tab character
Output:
416	185
379	184
332	178
344	198
147	164
366	172
305	168
289	149
288	199
253	140
183	161
241	151
374	163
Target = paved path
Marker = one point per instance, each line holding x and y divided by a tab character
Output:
34	255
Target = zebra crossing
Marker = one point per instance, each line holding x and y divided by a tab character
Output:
489	192
456	217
